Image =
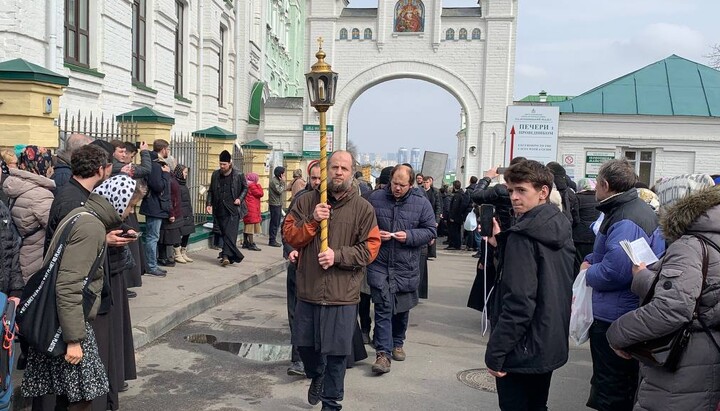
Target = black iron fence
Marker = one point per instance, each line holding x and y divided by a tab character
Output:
193	152
95	127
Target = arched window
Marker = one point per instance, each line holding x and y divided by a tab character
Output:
368	34
462	35
343	34
450	34
356	34
476	34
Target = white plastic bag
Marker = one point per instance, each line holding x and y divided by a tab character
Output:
581	316
470	222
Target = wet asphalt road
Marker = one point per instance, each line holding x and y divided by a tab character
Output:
443	340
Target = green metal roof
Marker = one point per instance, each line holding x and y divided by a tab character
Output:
21	70
534	98
671	87
145	115
257	144
215	132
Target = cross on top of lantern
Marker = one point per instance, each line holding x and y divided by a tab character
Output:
321	82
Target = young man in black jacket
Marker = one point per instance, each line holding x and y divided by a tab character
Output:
530	307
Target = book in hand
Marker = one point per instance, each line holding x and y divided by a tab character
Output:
639	251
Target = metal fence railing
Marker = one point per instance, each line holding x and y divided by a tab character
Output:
193	152
97	128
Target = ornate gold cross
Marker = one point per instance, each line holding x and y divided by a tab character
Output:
320	42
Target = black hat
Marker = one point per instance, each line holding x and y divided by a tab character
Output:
225	156
384	176
556	169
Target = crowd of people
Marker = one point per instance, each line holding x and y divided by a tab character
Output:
546	228
78	206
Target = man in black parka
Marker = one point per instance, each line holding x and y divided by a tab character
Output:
530	307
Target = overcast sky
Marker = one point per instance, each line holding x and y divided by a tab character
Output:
566	47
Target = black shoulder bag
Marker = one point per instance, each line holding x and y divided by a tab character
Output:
37	315
666	351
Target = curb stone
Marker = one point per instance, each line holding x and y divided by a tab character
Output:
158	325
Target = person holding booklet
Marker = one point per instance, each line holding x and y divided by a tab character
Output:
609	273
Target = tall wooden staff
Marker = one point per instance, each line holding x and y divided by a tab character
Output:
321	84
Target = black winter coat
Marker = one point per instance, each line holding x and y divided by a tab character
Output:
433	196
530	307
156	203
499	197
62	173
188	216
11	280
588	214
239	191
67	198
457	211
569	199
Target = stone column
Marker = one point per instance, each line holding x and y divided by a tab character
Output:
292	162
29	99
219	139
257	159
149	124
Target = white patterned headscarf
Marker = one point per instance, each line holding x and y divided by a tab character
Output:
117	190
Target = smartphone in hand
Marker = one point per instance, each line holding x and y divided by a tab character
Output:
487	212
127	234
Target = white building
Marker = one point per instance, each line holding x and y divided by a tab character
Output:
665	118
199	62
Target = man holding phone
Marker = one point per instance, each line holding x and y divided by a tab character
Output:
530	307
407	223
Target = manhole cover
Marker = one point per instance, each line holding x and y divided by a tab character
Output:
478	378
251	351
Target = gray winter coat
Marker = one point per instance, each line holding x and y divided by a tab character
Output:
695	385
32	195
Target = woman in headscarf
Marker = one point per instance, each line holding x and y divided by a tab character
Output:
187	217
30	196
78	377
36	160
253	218
113	326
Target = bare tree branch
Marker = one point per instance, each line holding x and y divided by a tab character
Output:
714	56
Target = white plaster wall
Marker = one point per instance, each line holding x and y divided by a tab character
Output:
682	144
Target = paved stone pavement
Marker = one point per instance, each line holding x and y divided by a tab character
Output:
444	339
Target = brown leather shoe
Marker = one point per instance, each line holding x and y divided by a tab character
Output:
398	354
382	364
225	262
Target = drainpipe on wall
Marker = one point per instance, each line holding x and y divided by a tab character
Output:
239	56
51	34
201	67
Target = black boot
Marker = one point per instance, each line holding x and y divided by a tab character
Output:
246	243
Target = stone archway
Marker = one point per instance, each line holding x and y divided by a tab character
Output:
478	71
349	92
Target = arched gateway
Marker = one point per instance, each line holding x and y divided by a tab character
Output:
409	39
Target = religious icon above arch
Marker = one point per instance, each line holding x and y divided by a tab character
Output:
409	16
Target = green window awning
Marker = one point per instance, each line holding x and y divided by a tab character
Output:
256	103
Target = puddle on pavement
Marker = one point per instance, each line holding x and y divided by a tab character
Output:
252	351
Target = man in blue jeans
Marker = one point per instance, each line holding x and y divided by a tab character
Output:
407	223
156	205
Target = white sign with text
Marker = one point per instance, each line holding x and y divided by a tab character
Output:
532	132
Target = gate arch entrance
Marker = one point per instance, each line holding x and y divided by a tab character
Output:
477	70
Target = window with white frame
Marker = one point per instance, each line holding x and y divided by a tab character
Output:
179	47
644	163
77	32
221	67
138	40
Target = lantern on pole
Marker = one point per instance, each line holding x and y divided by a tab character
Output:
321	85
